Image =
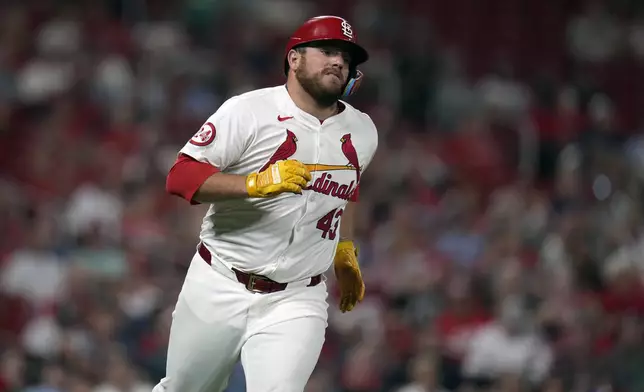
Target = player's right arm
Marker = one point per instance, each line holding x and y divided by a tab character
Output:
199	175
284	176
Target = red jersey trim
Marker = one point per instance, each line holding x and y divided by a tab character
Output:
356	194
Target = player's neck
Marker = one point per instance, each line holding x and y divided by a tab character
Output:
306	103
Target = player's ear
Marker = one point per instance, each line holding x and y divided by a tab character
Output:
293	58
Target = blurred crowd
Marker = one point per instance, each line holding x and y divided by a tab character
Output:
501	232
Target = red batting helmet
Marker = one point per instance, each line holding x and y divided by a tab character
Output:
333	29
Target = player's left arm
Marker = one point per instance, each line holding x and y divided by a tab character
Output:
347	229
345	263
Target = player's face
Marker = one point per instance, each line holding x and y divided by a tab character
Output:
323	72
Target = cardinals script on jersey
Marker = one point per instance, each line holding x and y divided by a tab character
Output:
291	236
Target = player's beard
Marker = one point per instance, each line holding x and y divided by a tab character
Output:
313	85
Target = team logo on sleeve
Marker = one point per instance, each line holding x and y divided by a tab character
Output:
205	135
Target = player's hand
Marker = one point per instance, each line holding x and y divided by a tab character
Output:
282	176
347	271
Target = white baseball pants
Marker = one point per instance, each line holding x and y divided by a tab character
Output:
217	321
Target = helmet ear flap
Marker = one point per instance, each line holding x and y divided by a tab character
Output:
355	79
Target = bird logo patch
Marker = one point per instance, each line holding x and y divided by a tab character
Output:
350	153
284	151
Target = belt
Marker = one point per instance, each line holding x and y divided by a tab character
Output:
253	282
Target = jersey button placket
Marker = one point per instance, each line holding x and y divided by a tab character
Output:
307	195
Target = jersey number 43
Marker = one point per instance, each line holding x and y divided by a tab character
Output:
329	223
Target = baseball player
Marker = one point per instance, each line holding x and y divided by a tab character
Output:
280	168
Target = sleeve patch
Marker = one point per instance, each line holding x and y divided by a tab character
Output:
205	135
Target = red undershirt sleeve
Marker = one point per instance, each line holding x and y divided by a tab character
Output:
186	176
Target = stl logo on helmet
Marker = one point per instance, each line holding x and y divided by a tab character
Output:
205	135
346	29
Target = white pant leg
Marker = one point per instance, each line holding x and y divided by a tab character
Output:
208	325
285	339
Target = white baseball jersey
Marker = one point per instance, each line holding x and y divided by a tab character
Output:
288	237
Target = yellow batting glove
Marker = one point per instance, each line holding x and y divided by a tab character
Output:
281	176
347	272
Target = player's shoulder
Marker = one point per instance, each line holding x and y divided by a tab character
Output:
247	100
266	94
360	119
